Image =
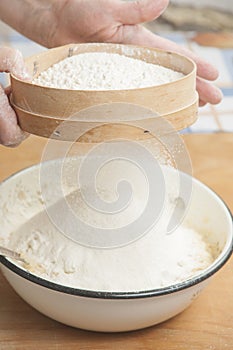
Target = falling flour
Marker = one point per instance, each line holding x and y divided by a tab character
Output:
104	71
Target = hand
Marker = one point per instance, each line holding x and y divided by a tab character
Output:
117	21
10	133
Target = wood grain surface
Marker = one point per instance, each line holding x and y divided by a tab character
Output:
206	325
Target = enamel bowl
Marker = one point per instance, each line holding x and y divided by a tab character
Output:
111	311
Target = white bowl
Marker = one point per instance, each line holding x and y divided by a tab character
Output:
112	311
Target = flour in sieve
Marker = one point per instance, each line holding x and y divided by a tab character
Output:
104	71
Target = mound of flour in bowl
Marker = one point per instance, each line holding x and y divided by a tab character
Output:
104	71
155	260
149	263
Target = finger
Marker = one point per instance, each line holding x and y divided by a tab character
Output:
202	103
139	35
208	93
11	61
10	132
7	90
139	11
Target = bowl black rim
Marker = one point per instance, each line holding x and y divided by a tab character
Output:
210	271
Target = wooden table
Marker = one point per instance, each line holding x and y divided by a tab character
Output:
206	325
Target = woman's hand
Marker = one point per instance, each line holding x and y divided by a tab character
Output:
11	61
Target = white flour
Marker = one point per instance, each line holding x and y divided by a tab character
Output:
104	71
155	260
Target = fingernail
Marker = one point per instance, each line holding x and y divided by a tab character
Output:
219	95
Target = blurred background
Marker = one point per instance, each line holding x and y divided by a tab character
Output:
204	15
205	27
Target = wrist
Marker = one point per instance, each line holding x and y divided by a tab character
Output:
44	22
36	19
55	35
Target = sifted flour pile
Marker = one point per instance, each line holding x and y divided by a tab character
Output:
155	260
104	71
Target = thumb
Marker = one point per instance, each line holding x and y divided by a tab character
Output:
139	11
11	61
10	132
